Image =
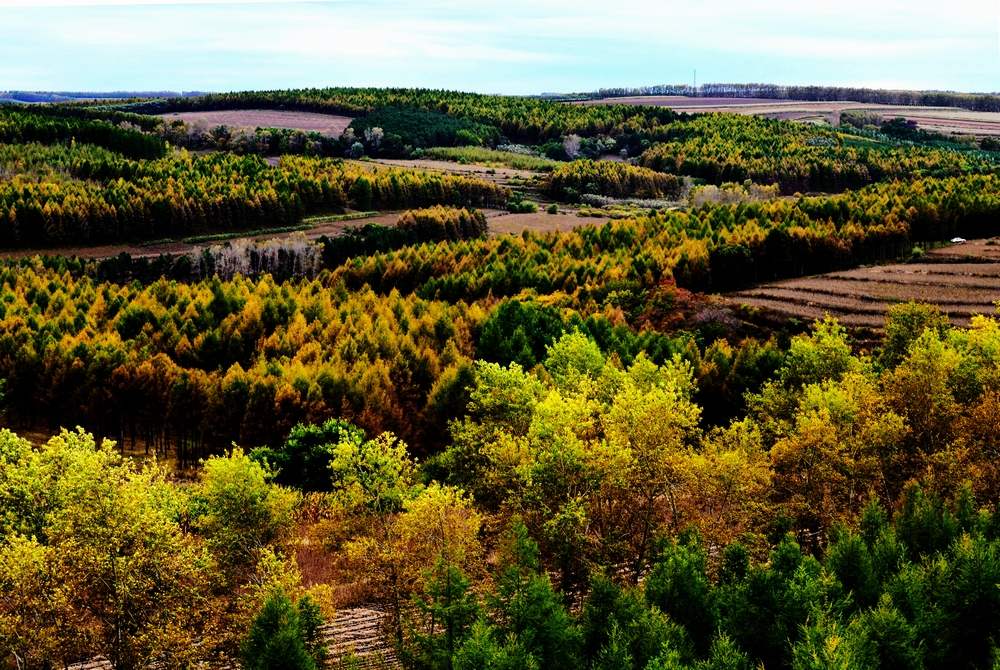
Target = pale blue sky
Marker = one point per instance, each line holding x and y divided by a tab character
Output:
507	46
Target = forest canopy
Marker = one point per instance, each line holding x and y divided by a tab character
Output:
539	450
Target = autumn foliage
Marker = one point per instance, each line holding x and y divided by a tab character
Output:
714	247
438	224
83	194
611	178
535	451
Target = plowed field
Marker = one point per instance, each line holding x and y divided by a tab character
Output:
860	297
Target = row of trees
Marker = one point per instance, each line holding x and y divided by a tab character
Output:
437	224
294	257
79	194
610	178
398	188
197	134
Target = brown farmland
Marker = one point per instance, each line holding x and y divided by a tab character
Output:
860	297
263	118
972	251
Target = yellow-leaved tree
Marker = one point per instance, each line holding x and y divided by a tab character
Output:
393	531
95	558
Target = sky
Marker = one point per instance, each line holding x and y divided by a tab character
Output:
510	46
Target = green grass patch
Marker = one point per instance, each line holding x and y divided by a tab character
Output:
491	158
244	233
339	217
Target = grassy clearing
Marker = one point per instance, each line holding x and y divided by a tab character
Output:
491	158
154	243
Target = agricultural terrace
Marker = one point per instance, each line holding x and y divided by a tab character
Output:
861	297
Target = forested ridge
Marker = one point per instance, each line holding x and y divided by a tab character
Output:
714	147
717	147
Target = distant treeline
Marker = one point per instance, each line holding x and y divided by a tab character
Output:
64	96
74	111
979	102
